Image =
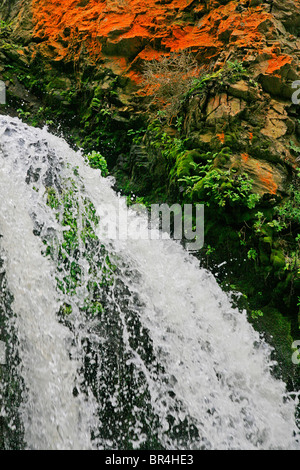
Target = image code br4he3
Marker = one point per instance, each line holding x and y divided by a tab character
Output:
150	459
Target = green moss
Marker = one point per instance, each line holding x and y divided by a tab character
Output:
184	164
277	259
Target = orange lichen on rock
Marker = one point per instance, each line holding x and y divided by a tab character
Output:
266	177
221	137
139	30
276	63
269	183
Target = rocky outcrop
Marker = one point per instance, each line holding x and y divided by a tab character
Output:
103	45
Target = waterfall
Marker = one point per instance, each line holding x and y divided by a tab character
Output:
117	343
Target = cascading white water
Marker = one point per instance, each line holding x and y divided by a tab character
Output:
165	361
51	415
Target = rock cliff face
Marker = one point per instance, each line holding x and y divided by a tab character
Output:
94	42
83	61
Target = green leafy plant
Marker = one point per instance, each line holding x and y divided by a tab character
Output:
23	114
221	187
255	314
5	28
136	134
169	148
234	71
252	254
289	211
292	262
97	161
259	222
294	148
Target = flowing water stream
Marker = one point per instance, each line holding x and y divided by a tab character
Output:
116	343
